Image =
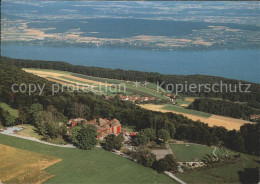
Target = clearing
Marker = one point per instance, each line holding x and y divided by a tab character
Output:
187	152
21	166
13	112
245	171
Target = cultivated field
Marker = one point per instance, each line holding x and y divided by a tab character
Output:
21	166
211	120
95	166
72	80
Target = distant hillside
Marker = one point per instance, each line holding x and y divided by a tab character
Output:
253	98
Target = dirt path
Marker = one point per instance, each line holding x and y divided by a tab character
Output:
214	153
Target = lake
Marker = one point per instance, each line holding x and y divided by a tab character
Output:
235	64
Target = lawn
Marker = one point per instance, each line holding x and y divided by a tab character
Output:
229	173
186	111
12	111
188	152
29	131
223	174
95	166
181	101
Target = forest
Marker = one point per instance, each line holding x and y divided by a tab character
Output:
253	98
224	108
65	105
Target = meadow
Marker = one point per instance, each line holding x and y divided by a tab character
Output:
95	166
189	152
186	111
245	171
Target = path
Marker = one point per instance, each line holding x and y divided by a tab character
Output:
214	153
43	142
174	177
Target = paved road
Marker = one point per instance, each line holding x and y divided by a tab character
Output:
37	140
174	177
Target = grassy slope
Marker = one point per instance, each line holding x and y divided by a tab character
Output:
222	174
188	153
13	112
187	111
95	166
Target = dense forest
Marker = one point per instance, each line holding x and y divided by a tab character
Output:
253	98
65	105
224	108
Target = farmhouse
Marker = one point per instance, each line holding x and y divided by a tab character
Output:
104	126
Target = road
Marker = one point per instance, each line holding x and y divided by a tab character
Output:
174	177
43	142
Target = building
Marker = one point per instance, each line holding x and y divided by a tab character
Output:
104	126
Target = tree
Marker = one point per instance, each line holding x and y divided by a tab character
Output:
149	132
87	137
22	116
142	139
168	163
235	141
113	142
6	119
171	163
79	110
47	125
73	134
144	156
163	135
33	111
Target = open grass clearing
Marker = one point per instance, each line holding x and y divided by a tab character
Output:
191	152
95	166
186	111
229	173
21	166
13	112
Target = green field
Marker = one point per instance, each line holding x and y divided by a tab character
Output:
13	112
188	153
181	101
187	111
223	174
229	173
95	166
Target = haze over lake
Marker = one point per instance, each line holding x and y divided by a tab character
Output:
235	64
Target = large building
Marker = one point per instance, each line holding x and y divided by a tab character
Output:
104	126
